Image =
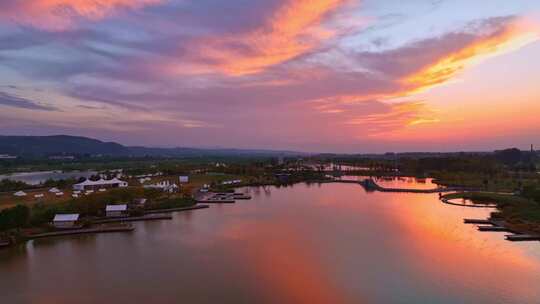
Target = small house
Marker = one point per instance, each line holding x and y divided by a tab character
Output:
116	210
65	221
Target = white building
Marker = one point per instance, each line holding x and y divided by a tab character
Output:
102	183
183	179
54	190
65	221
116	210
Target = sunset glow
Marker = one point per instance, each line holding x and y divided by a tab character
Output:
325	75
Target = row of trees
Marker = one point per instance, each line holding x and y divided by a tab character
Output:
14	218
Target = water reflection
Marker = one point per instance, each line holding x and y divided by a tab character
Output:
329	243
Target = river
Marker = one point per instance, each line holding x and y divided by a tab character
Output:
38	177
330	243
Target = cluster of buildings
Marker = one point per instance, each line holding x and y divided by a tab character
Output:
71	221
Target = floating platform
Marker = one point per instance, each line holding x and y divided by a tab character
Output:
522	237
177	209
125	228
150	217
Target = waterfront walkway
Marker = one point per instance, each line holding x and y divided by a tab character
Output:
370	184
124	228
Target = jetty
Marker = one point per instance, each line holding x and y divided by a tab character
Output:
478	221
494	228
124	228
177	209
522	237
150	217
217	198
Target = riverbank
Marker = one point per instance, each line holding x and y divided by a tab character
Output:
516	213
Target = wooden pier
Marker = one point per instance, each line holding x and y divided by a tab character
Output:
218	201
177	209
124	228
522	237
478	221
150	217
493	229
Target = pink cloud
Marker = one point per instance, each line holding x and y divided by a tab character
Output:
57	15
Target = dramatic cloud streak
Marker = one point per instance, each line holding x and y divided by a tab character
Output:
294	29
23	103
63	14
507	35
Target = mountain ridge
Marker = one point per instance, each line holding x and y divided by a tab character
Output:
55	145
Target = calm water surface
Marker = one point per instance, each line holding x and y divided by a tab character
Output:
38	177
331	243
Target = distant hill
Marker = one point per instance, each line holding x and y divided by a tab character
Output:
45	146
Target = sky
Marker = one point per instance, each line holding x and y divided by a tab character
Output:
351	76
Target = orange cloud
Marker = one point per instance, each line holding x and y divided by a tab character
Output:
293	30
400	115
512	36
58	15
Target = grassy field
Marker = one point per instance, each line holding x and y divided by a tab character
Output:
7	199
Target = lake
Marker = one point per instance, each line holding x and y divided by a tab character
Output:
329	243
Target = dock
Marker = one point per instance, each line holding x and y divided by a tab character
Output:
4	244
522	237
217	198
125	228
218	201
242	197
177	209
151	217
493	228
477	221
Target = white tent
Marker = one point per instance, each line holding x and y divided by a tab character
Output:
115	182
20	193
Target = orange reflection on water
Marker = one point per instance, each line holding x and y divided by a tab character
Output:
285	263
443	246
